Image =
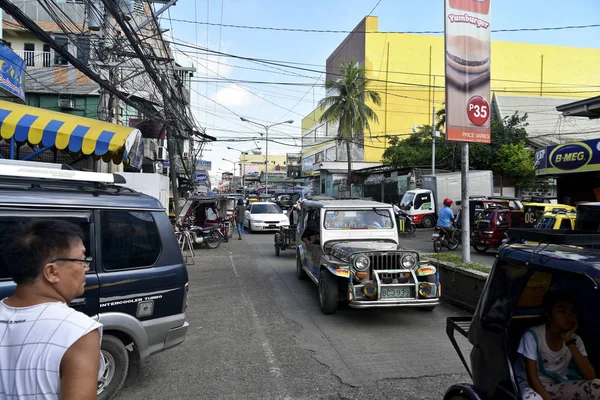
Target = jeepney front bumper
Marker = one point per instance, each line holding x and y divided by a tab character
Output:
388	290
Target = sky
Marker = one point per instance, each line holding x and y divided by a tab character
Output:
218	104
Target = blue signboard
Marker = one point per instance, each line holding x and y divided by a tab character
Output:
201	178
12	72
203	165
566	158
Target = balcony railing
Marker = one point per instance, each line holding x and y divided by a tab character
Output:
35	59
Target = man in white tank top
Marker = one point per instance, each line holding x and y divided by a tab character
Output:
47	350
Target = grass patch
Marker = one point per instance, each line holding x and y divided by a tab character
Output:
448	257
475	266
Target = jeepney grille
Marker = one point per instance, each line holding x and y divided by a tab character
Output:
385	261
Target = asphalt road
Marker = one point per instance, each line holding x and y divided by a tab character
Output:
421	242
257	333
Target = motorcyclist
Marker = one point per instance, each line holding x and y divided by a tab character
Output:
446	219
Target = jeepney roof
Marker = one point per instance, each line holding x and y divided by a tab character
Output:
346	203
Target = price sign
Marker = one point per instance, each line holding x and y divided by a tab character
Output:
478	110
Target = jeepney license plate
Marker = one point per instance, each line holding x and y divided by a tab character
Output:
394	293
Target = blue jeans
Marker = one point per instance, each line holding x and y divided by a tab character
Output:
240	228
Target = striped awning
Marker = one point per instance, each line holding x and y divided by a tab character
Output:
79	135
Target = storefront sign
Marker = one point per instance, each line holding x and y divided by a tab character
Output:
467	37
12	72
570	157
203	165
307	165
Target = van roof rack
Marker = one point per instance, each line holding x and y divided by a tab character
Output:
549	236
27	170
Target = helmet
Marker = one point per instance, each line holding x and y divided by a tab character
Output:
448	202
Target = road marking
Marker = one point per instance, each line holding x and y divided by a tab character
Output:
264	342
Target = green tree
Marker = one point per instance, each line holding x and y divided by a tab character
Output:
348	107
515	162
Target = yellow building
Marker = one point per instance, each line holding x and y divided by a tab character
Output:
251	163
408	71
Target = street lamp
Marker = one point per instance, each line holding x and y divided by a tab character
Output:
242	163
267	127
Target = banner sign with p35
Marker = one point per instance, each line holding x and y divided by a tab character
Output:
467	38
568	158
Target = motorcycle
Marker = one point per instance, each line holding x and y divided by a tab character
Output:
408	225
441	238
210	236
225	228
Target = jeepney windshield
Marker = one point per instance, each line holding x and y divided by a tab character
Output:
546	223
358	219
407	200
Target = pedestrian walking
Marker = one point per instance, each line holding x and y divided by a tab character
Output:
240	213
47	349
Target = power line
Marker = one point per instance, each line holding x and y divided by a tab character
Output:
271	28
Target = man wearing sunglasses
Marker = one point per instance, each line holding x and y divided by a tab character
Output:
48	350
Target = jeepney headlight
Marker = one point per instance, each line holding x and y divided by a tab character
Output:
408	261
361	263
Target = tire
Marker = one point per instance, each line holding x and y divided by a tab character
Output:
428	222
411	228
437	245
116	359
226	236
213	240
277	250
453	245
480	249
329	295
300	272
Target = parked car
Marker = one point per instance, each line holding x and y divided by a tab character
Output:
350	250
137	284
284	201
533	212
558	220
492	228
265	216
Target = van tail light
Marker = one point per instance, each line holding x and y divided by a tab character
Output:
186	290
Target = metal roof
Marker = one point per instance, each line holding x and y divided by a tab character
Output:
589	108
346	203
547	126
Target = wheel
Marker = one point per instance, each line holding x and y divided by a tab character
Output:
428	222
116	367
411	228
226	236
213	240
328	292
437	245
480	249
277	250
300	272
453	245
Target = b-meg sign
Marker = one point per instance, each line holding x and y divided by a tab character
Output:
467	36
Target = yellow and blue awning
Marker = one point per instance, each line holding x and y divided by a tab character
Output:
80	135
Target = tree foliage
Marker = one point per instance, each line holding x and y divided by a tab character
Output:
507	155
347	107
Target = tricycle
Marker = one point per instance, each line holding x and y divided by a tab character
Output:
285	238
537	297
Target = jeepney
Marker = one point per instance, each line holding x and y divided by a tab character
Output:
351	251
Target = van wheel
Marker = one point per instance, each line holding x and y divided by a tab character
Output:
428	222
116	367
480	249
300	272
329	295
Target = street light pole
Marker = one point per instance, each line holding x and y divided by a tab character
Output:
266	127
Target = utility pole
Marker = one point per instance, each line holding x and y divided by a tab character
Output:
433	132
464	206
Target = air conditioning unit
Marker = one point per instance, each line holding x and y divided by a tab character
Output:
162	154
66	103
186	155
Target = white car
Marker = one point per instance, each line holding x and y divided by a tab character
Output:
265	216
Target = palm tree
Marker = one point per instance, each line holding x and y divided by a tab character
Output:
347	106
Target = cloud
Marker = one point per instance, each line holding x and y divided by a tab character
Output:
233	96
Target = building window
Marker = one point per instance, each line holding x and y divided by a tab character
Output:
46	56
83	49
63	43
130	239
29	54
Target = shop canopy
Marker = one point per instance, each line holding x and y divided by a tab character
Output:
46	130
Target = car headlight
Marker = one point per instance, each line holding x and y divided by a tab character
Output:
361	263
408	261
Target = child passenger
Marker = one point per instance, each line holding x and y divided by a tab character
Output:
553	363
